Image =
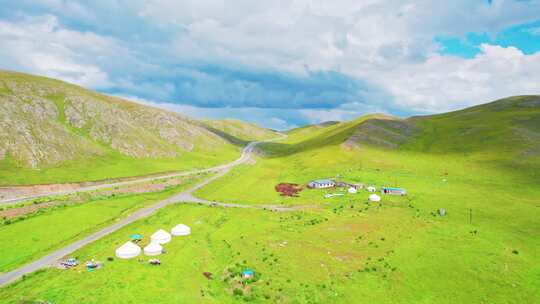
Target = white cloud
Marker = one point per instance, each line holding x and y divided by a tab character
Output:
277	119
444	82
386	43
41	46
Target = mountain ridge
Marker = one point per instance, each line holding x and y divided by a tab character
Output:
47	124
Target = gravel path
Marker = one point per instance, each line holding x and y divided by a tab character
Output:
184	197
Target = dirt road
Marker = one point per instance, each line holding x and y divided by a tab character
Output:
14	200
185	197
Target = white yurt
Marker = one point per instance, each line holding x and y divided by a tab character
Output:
161	237
181	229
374	198
128	250
371	189
153	249
352	190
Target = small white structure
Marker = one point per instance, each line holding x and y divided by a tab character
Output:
128	250
161	237
153	249
374	198
352	190
371	189
322	183
393	191
181	229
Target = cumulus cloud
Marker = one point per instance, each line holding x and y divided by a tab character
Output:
40	46
445	82
277	119
313	59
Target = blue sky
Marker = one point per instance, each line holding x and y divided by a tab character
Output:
525	37
281	63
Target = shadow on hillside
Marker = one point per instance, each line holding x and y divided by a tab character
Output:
333	137
228	137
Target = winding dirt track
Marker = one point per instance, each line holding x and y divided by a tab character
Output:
245	155
183	197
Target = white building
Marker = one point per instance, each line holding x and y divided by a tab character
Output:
322	183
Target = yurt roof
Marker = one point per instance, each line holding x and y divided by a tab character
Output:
160	234
128	247
374	197
181	227
153	246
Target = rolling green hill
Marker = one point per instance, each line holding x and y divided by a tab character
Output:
52	131
239	132
480	164
508	128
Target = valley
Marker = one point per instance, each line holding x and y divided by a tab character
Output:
480	164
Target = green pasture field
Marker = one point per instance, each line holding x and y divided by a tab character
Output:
485	250
481	166
113	165
336	254
38	235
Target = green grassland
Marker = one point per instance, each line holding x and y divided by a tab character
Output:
38	235
481	164
470	162
109	166
240	132
366	254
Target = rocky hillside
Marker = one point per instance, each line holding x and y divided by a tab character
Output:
54	132
44	121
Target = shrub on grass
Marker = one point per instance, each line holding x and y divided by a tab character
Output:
238	292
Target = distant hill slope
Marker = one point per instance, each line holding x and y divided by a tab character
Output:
54	131
509	126
238	131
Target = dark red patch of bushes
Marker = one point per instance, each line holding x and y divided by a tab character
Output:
288	189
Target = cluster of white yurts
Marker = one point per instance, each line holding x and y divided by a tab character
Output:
130	250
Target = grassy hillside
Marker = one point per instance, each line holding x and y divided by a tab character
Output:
508	128
73	219
238	131
51	131
481	164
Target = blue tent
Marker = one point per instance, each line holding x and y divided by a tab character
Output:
136	236
248	273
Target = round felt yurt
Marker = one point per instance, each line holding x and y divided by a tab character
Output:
352	190
161	237
374	198
153	249
128	250
181	229
371	189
